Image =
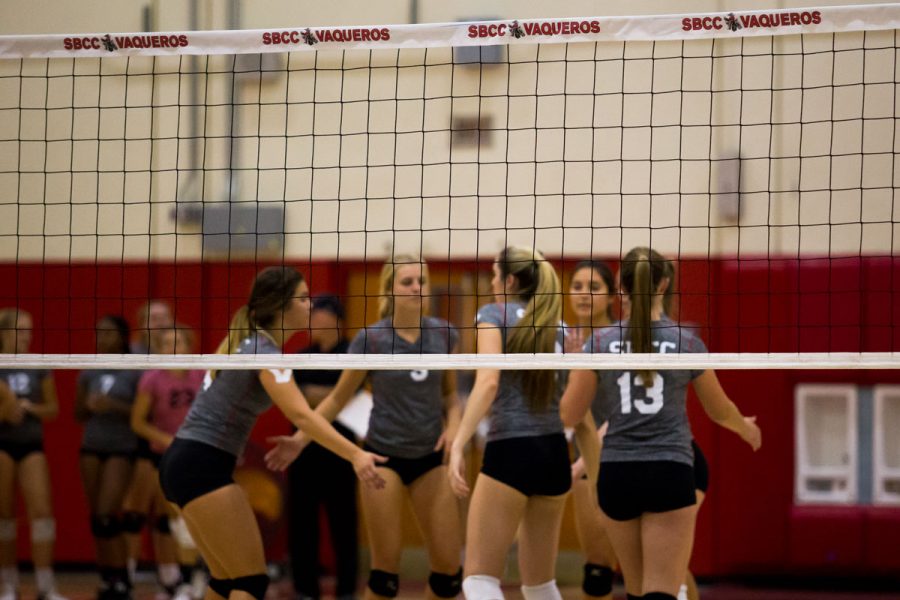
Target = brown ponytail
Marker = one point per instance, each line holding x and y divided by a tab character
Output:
642	271
536	331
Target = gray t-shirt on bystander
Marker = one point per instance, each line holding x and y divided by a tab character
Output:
26	384
511	415
647	423
110	432
225	410
408	406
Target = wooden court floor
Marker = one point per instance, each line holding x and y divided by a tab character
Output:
81	585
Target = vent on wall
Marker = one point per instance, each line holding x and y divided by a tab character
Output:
237	228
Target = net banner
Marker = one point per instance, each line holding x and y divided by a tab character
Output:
477	33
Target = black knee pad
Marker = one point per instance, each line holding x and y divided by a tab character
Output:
658	596
255	585
161	524
633	597
445	586
105	527
133	522
598	580
384	583
220	586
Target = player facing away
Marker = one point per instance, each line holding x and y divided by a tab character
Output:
414	414
196	471
646	485
525	474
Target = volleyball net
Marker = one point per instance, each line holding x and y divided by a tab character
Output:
756	150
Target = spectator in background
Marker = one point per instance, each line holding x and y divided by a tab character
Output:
154	321
28	399
103	403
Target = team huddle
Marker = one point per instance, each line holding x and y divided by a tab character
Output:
168	442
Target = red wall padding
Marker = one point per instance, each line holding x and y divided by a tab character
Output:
748	523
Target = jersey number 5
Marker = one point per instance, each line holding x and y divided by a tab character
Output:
651	404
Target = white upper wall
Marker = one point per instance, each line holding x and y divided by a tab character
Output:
583	159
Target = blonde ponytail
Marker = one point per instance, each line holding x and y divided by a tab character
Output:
536	331
239	329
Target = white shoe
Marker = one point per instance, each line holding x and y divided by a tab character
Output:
51	595
682	592
198	584
183	592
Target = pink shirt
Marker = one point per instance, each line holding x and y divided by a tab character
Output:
171	396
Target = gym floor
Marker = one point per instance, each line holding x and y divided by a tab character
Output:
81	585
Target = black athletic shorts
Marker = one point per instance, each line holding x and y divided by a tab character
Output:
143	450
18	451
626	490
701	468
190	469
104	456
535	466
409	469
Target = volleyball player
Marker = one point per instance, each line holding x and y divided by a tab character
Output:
163	400
513	493
591	298
196	472
104	400
646	486
154	319
31	399
414	414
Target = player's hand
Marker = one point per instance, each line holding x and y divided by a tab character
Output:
751	433
456	471
98	403
365	464
574	342
286	450
17	412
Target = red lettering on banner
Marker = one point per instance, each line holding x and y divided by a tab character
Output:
375	34
82	43
487	31
768	21
564	28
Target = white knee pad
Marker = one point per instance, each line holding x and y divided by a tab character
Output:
7	530
181	534
542	591
43	530
482	587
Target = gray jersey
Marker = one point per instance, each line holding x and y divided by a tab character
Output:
225	410
647	422
26	384
110	432
407	406
511	415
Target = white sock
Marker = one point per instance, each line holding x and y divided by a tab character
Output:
682	592
542	591
169	574
9	578
43	577
482	587
131	565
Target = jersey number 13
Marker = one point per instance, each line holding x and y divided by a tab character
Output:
651	404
